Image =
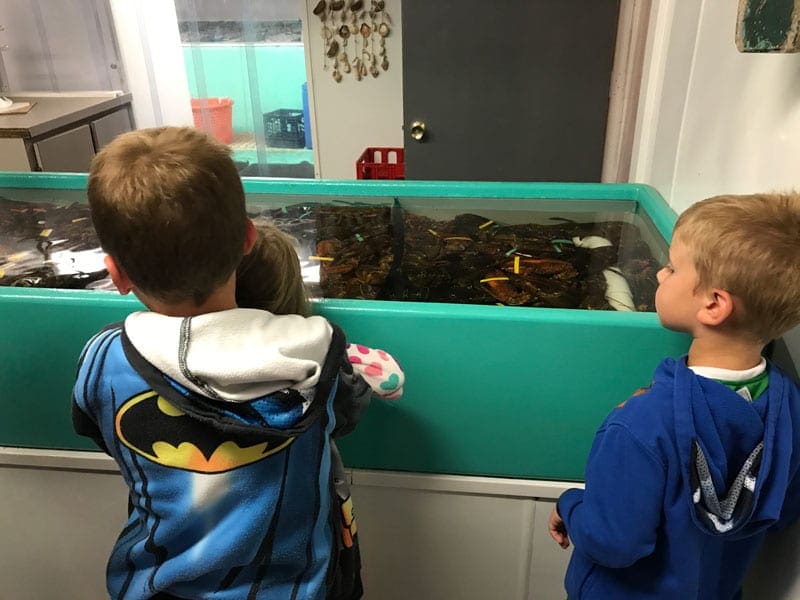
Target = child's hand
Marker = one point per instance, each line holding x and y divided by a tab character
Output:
379	369
557	529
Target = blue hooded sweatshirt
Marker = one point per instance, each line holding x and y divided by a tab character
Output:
682	484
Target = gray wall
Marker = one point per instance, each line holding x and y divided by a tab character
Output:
59	46
787	352
237	10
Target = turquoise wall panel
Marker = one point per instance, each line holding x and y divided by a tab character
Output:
267	77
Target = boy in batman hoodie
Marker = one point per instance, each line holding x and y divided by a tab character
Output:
685	478
220	418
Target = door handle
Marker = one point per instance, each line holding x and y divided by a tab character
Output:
418	130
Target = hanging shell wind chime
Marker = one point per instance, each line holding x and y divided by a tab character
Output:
349	22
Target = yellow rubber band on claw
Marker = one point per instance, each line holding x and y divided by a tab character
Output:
45	232
494	279
466	239
485	225
516	265
322	258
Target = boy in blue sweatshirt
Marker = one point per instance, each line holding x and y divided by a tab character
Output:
685	478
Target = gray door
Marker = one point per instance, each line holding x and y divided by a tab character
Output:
508	90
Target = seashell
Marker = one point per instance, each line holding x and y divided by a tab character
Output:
353	28
385	64
363	69
356	5
337	5
344	32
358	75
366	30
333	49
346	67
378	4
337	76
382	51
319	9
384	30
373	70
326	33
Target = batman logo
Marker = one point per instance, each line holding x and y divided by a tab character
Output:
162	433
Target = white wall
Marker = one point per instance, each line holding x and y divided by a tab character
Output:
149	44
713	120
351	115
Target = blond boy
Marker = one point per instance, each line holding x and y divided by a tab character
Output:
684	480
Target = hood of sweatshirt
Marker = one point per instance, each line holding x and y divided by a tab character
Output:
235	355
735	455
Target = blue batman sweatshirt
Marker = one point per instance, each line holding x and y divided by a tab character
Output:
682	484
222	427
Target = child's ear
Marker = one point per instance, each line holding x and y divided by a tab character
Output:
250	237
118	276
717	307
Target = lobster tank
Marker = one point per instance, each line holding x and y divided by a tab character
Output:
514	333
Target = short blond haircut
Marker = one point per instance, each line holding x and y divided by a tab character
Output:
269	277
750	247
169	207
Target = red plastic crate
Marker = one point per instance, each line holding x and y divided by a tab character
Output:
381	163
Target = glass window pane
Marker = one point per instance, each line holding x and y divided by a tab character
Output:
246	68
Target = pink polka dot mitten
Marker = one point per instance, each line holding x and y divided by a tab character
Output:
379	369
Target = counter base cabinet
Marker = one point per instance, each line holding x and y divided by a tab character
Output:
427	537
58	526
107	128
432	543
68	152
422	536
14	155
62	133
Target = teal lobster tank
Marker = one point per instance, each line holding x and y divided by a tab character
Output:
490	390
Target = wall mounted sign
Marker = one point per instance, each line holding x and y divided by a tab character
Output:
768	26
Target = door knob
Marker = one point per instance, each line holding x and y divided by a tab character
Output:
418	130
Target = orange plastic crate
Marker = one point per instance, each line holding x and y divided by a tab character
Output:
381	163
214	116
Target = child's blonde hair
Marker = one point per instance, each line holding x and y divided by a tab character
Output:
269	277
168	206
750	247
